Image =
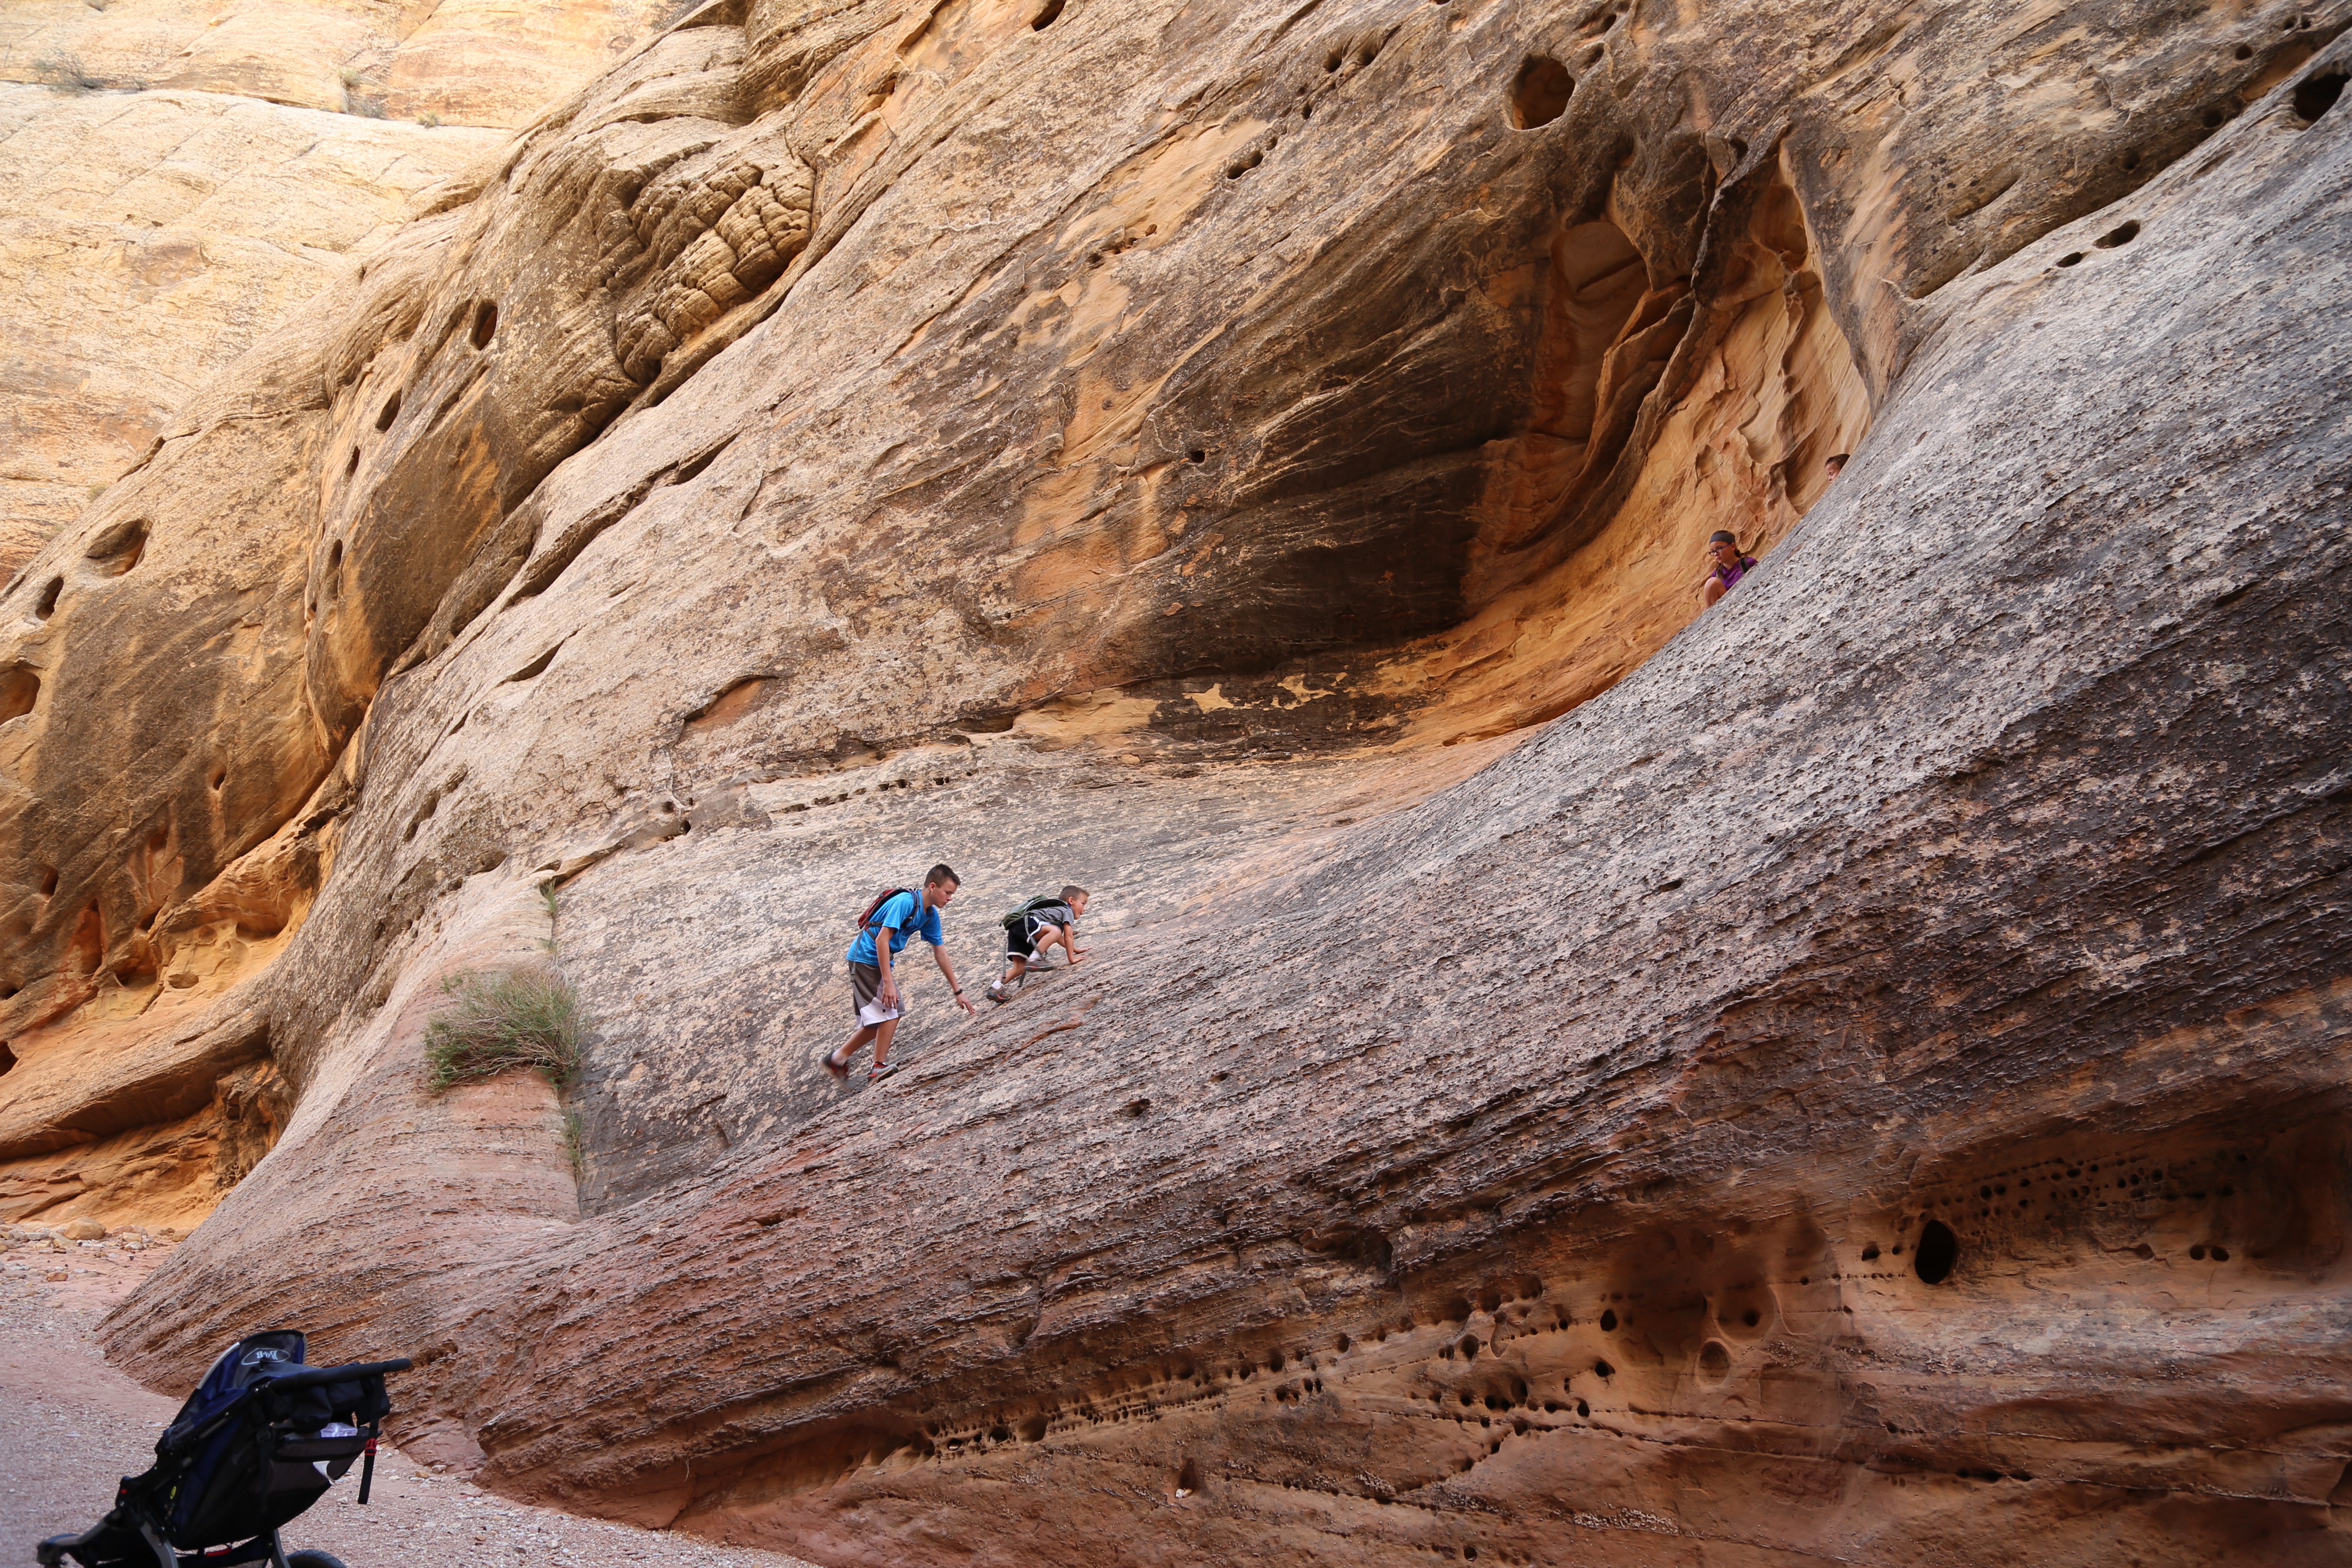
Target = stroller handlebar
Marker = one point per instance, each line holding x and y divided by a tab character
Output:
311	1376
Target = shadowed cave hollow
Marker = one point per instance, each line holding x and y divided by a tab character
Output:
1545	558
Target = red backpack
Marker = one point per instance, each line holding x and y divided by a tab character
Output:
866	921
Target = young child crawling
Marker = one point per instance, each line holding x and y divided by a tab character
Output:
1033	931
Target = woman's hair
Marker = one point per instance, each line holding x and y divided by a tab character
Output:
1719	537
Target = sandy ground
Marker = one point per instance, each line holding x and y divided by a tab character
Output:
70	1424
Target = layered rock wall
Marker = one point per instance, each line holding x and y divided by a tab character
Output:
1863	1082
176	176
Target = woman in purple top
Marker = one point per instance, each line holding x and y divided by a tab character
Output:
1726	568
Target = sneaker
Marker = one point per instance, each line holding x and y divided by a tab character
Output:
996	992
877	1075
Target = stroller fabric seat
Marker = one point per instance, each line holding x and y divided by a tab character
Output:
261	1440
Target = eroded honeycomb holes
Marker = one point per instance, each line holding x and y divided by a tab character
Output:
47	605
1540	93
1937	1250
486	324
391	411
1047	14
2122	234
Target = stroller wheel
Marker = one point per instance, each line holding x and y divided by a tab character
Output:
313	1558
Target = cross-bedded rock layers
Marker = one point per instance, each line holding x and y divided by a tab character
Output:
1858	1074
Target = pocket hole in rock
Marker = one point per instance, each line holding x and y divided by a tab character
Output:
1331	61
1870	1252
2124	235
1600	1369
1609	1321
391	411
1540	94
1188	1479
1196	456
120	548
2213	118
1045	17
352	466
1938	1251
535	668
1139	1108
2072	259
1582	1408
7	1056
1714	1362
48	604
335	573
2220	1255
220	777
486	324
2317	96
48	880
2245	51
1752	1317
20	687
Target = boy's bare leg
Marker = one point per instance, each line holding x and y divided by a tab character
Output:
841	1054
882	1033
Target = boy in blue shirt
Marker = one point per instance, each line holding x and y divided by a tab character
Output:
873	980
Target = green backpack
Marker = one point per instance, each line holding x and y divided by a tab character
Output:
1014	919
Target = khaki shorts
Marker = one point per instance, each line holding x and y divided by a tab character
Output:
865	985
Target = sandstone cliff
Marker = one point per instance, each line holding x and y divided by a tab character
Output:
1854	1074
175	175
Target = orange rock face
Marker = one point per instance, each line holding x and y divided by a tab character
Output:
1559	1076
177	176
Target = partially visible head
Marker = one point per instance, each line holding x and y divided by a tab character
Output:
941	883
1075	896
1835	466
1724	547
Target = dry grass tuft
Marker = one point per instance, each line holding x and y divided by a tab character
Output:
526	1016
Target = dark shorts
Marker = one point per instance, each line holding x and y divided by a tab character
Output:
1021	937
864	984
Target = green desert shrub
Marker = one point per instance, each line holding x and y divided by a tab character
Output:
64	71
525	1016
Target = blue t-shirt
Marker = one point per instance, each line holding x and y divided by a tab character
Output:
904	916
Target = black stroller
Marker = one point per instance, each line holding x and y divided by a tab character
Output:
261	1440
